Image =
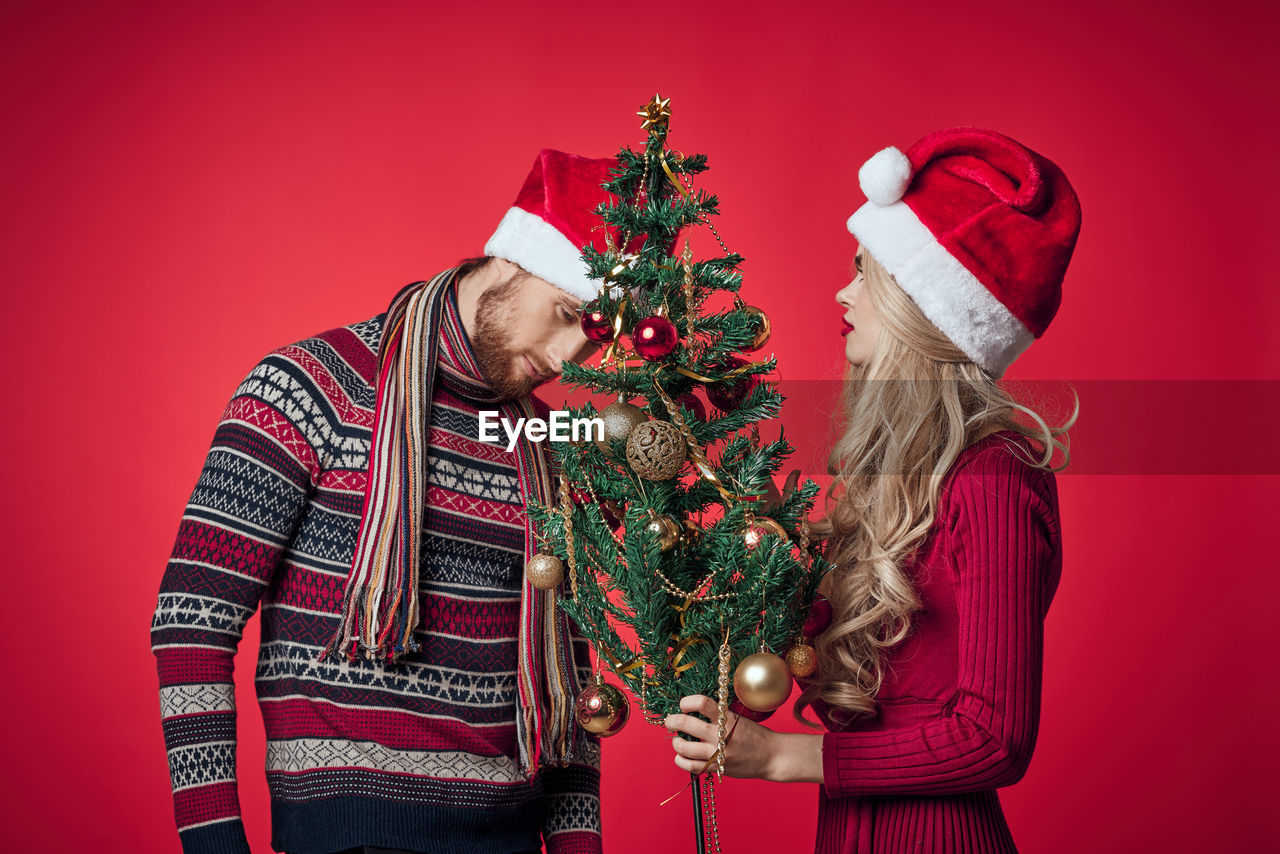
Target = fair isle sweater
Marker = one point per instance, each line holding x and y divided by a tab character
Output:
420	755
959	707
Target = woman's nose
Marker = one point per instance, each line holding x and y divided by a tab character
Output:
844	296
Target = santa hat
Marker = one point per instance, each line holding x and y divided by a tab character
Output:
977	229
554	217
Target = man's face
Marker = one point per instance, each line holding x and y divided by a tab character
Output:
526	329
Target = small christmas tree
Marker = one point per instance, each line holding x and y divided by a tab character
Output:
702	579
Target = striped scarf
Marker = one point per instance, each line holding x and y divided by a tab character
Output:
380	609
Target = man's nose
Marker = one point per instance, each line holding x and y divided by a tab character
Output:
572	346
557	353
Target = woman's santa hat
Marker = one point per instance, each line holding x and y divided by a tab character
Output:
977	229
554	216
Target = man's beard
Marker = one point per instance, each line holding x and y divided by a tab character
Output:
496	315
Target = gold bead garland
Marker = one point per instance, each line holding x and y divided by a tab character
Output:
670	587
709	796
686	190
686	259
725	653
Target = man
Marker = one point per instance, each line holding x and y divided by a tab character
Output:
416	691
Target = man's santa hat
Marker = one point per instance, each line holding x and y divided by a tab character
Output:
978	230
553	217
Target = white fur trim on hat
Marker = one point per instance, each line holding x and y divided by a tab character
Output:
949	295
885	176
540	248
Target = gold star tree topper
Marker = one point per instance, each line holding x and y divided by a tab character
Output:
655	113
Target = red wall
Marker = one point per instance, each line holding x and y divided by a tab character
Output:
188	185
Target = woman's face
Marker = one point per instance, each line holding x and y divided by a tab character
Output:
862	326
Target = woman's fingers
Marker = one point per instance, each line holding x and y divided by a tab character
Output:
700	750
793	481
748	746
773	498
705	730
699	703
690	725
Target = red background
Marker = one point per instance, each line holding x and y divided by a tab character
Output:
189	185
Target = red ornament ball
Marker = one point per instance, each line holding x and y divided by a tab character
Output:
819	617
728	395
597	326
655	337
690	401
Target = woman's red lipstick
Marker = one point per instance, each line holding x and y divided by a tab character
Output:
847	328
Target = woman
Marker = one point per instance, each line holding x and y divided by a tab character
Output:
942	521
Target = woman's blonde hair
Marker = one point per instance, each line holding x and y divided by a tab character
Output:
908	412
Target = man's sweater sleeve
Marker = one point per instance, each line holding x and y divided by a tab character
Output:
243	512
572	821
1002	524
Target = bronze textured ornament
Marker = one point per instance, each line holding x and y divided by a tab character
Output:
656	450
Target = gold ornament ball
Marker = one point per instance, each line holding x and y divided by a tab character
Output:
802	659
763	329
619	420
666	529
544	571
602	709
656	450
762	682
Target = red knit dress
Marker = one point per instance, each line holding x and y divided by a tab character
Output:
960	702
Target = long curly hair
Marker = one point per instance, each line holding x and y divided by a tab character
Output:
908	412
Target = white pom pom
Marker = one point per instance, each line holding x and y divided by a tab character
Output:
884	178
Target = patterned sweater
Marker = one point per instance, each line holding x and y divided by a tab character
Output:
420	755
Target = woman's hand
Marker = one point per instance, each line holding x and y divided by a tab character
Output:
752	750
746	755
773	498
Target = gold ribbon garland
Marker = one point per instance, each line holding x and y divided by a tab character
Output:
728	376
671	176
